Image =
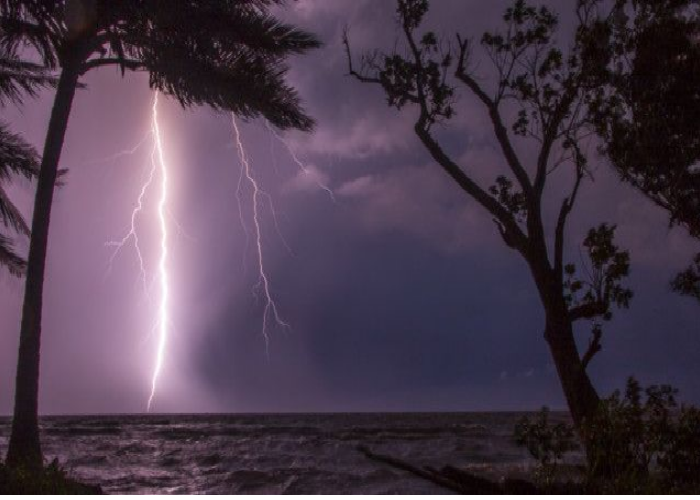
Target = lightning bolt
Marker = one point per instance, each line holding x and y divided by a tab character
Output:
158	170
302	167
162	263
133	234
270	312
126	152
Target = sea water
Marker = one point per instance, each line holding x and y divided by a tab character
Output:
276	453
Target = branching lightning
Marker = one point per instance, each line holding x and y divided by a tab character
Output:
133	234
302	167
158	171
270	311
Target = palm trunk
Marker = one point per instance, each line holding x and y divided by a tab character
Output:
25	448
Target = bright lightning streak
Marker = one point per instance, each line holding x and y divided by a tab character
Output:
121	154
263	282
162	265
158	165
303	168
133	234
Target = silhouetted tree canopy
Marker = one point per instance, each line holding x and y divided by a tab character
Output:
649	116
688	282
648	108
227	54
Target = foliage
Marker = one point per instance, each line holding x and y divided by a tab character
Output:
51	480
228	55
681	460
17	158
644	440
648	106
546	442
601	286
593	295
688	282
629	433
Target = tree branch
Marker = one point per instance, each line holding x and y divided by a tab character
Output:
513	234
496	119
566	207
351	69
588	310
422	102
551	134
594	347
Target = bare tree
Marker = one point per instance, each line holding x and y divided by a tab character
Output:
548	91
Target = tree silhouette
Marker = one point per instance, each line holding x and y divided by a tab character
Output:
548	91
226	54
687	282
17	158
648	108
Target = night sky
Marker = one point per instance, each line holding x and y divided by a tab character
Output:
401	294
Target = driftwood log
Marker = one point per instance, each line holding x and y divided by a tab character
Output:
454	479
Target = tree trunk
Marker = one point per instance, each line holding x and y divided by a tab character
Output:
24	448
580	394
581	397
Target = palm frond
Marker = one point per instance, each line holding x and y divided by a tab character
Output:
228	26
9	259
19	77
35	23
245	85
227	55
10	215
17	156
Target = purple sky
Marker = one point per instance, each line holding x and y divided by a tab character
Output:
401	295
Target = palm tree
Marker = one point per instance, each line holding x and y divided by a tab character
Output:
17	158
227	54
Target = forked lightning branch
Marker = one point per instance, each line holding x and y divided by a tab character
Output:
157	178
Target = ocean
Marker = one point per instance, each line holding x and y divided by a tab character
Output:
276	453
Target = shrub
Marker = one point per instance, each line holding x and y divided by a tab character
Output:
547	442
642	442
51	480
628	433
681	460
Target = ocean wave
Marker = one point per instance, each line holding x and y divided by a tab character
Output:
272	453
